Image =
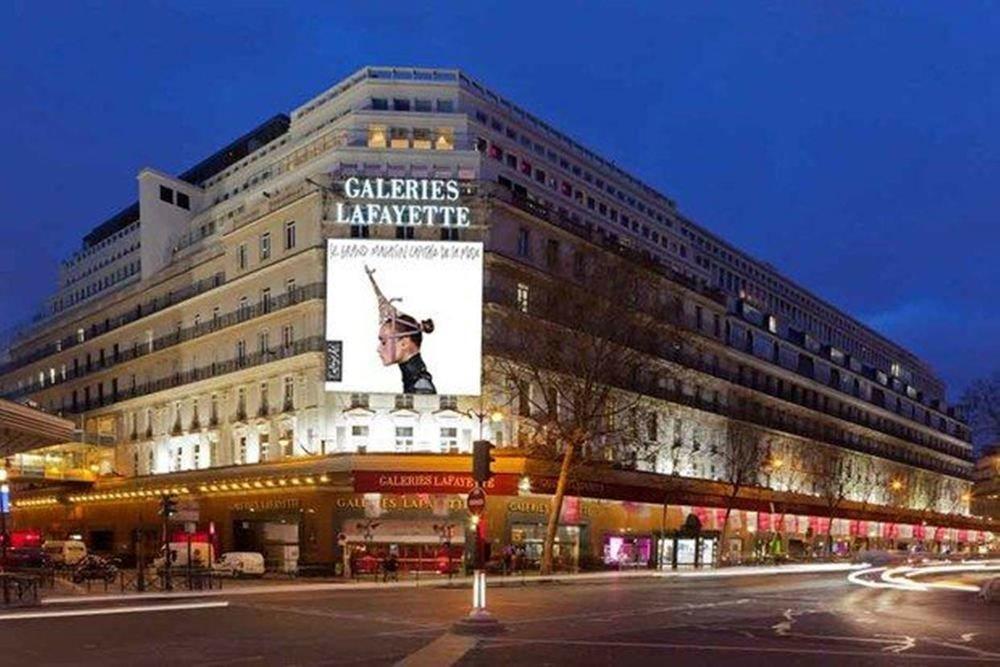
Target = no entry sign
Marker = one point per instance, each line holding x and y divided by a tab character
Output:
476	501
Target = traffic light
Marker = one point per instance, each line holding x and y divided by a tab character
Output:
168	506
481	461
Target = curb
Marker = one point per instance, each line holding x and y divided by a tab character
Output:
459	582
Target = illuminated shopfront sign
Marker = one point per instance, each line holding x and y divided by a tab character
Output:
402	202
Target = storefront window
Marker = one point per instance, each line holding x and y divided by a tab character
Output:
531	536
627	550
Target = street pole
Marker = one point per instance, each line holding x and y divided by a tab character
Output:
4	508
479	621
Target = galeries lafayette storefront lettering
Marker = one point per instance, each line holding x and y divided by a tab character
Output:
402	201
369	481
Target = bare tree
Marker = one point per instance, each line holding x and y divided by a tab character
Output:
573	359
742	458
835	480
981	404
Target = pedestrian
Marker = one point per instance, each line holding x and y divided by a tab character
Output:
508	559
391	567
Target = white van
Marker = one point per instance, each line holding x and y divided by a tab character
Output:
240	564
65	552
202	555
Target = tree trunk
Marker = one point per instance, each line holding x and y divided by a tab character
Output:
722	534
555	509
829	533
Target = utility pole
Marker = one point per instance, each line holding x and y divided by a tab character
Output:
168	507
479	621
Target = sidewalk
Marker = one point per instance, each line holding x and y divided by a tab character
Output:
266	587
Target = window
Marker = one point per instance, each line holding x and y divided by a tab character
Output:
241	403
241	455
241	256
359	401
445	106
380	104
243	312
289	235
183	201
551	253
241	351
265	405
166	194
404	438
290	286
265	299
444	139
359	437
360	231
422	138
265	246
399	137
400	104
448	402
404	232
449	234
263	342
404	401
287	335
377	137
523	242
422	105
288	394
449	439
522	297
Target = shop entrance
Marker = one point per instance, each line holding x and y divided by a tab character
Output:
531	537
277	540
418	545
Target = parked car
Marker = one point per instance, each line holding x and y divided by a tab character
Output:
240	564
65	552
25	557
202	555
94	567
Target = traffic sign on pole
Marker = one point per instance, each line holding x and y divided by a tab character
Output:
476	501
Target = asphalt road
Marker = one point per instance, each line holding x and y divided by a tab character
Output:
800	620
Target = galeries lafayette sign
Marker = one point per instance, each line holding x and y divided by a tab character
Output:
369	481
402	202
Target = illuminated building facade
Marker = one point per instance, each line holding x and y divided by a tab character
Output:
191	329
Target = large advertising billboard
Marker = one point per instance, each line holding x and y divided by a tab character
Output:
404	317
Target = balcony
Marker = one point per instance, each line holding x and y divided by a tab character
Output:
238	316
213	370
140	311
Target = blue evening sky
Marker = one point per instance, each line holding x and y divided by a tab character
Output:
854	145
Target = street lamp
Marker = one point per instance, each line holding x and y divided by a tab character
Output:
896	485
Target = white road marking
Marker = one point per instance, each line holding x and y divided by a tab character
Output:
104	611
445	650
500	643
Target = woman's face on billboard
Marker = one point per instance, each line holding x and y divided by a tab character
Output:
393	348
